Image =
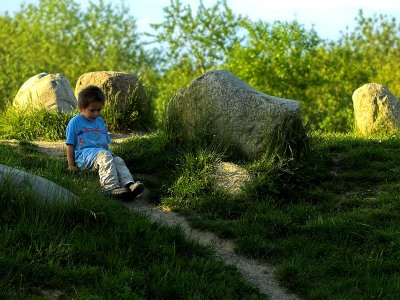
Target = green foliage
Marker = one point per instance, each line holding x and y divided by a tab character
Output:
30	124
176	78
194	44
285	60
59	37
376	39
205	37
281	59
196	176
357	58
342	192
276	58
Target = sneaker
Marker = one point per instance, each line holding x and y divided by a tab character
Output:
136	188
121	193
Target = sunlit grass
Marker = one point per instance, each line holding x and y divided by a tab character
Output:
327	220
33	124
96	248
338	233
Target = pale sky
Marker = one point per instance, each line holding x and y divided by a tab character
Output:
329	17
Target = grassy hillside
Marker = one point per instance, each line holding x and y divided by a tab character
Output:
97	249
328	222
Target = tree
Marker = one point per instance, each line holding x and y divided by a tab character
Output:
285	60
276	58
59	37
377	40
204	38
281	59
368	54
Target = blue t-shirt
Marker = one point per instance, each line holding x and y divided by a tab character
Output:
88	138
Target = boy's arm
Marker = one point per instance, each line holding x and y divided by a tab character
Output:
71	157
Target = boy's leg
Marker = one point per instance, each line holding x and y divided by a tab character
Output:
124	175
108	174
126	178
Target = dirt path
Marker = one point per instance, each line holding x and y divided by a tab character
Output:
261	275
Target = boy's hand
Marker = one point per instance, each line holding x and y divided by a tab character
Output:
73	169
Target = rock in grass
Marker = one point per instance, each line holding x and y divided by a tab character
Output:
51	91
220	108
44	189
376	109
230	177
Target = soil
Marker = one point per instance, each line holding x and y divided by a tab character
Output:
260	275
257	273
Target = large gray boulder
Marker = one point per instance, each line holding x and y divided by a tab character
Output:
44	189
114	84
376	109
221	108
51	91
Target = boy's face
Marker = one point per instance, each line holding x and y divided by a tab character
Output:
92	111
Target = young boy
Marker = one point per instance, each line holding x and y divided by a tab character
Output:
87	142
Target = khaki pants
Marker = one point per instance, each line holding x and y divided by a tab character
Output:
112	170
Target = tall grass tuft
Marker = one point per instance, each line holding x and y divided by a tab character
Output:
195	180
197	131
289	138
132	111
30	124
199	123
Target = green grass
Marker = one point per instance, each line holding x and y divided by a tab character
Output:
33	124
329	221
121	114
97	249
126	111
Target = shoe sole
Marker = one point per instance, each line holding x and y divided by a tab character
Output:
123	196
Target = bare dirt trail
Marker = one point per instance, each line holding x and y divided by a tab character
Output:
260	275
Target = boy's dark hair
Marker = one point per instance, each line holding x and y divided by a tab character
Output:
89	95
